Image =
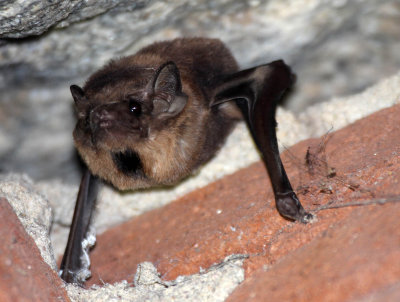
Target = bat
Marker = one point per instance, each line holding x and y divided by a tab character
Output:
152	118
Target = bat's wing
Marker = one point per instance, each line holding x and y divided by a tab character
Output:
75	262
257	91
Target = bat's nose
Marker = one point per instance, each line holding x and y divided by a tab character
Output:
101	118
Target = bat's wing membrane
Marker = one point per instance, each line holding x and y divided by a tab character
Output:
257	91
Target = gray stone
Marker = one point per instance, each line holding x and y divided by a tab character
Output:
327	43
33	211
21	18
36	127
213	285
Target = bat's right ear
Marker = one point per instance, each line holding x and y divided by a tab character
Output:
167	82
77	93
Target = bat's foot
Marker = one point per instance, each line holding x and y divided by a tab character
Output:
75	277
290	207
76	263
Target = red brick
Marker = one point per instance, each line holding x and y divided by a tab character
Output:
23	274
356	258
189	233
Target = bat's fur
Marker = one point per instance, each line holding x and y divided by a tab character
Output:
153	147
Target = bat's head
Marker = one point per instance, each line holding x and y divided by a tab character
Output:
123	115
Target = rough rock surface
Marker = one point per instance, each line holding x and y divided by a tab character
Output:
321	39
211	285
23	274
21	18
32	209
237	215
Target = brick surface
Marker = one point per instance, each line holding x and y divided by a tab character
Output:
354	260
237	215
23	274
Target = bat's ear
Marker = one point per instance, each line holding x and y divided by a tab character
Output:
167	77
77	93
167	82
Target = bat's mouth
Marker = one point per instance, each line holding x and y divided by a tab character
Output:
128	162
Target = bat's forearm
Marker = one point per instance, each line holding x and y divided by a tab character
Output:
74	264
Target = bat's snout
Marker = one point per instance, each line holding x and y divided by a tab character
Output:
101	119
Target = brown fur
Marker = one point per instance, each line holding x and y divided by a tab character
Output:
169	149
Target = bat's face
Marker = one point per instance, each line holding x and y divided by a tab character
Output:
123	120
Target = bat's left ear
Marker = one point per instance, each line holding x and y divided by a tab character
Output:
167	82
77	93
79	97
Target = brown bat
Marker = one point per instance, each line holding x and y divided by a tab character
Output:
152	118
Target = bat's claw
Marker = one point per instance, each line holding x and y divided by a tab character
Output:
73	277
290	207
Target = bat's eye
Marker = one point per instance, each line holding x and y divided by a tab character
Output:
135	107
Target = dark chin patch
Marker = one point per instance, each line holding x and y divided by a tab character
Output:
128	162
